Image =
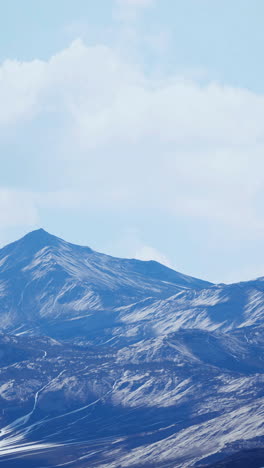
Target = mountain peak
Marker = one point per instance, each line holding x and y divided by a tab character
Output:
40	238
30	244
39	234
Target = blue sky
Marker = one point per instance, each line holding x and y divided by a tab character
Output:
136	127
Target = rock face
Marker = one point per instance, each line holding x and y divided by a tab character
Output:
108	362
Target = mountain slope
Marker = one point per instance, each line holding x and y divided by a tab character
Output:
51	287
167	401
43	278
108	362
220	307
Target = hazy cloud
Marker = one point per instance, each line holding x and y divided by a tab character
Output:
17	208
146	252
117	138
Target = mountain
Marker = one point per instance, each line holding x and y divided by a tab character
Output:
219	307
45	281
108	362
169	401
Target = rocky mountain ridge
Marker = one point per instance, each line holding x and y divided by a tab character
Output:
108	362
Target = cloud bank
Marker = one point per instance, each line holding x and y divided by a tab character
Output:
103	134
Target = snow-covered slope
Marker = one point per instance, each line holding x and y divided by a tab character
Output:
170	401
43	279
51	287
220	307
108	362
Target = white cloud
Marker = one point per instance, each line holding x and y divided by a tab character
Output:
17	208
135	3
129	243
146	252
20	87
142	3
127	140
127	10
